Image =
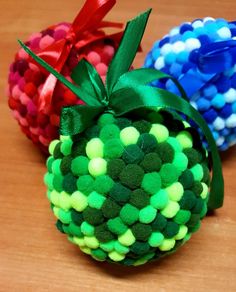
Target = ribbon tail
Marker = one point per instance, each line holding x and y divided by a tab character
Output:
129	99
87	77
75	119
127	50
91	14
145	76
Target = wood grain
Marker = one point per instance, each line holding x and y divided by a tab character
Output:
33	255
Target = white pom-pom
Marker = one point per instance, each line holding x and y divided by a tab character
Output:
178	47
167	48
219	124
192	44
160	63
231	121
197	23
224	33
230	95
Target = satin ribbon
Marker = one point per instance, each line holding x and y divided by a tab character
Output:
211	60
126	92
85	29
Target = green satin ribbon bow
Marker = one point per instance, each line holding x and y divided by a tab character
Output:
126	91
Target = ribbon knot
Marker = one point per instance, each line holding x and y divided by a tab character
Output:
71	37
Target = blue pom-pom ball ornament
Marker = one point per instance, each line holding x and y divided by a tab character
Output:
202	56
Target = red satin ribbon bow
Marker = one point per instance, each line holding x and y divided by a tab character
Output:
83	31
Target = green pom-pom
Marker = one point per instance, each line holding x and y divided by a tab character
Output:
147	214
151	162
131	176
77	217
95	200
85	184
58	183
170	230
120	193
94	148
141	231
106	119
99	254
103	184
110	209
115	167
87	229
142	126
151	182
197	188
168	174
197	209
65	165
123	123
69	183
206	174
97	166
132	154
160	132
129	136
56	167
186	179
185	139
159	223
140	248
139	198
113	148
116	226
166	152
188	200
192	155
103	234
109	132
129	214
147	142
93	216
159	200
79	165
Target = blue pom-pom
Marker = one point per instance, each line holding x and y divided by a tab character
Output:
212	92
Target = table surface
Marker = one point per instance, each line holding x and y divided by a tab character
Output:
33	255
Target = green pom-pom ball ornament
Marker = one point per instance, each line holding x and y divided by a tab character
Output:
128	181
134	202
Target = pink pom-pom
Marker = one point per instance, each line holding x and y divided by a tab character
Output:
45	42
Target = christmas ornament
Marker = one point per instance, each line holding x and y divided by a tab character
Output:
35	97
202	56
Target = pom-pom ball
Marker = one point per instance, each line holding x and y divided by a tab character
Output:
215	96
26	78
129	194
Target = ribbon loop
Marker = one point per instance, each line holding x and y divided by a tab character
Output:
211	60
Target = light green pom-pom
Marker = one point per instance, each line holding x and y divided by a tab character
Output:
185	139
97	166
94	148
129	136
160	132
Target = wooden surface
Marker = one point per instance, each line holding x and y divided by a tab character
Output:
33	255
